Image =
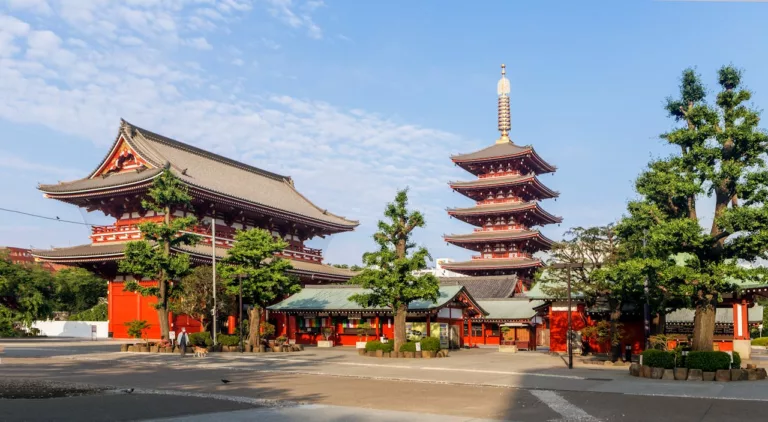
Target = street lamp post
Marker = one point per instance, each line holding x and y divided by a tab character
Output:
647	304
213	260
240	313
567	266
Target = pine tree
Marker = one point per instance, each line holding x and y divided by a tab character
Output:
721	156
388	272
153	257
264	275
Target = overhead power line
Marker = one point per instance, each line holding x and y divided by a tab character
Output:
49	218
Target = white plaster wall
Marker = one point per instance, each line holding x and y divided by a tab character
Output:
72	328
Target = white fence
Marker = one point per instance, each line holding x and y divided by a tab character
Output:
72	328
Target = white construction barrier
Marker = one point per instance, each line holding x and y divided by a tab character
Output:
81	329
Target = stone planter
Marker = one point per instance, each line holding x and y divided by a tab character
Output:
695	375
361	352
325	343
287	348
722	375
395	354
657	373
418	354
130	349
123	347
708	376
681	374
262	348
738	375
143	349
427	354
153	349
669	375
443	354
408	355
646	371
386	354
379	353
635	369
248	348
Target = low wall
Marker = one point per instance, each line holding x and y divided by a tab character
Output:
72	328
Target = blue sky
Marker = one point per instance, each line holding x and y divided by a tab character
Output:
355	99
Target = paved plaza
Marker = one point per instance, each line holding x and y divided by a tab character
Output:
337	384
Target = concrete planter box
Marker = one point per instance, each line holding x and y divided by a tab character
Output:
657	373
360	344
407	355
669	375
123	347
418	354
721	375
708	376
681	374
695	375
325	343
361	352
646	371
635	369
428	354
506	348
386	354
143	349
379	353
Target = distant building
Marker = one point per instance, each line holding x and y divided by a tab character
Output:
22	256
439	270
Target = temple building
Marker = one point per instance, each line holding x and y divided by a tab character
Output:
227	195
506	213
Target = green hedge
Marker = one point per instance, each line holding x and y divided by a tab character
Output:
375	345
201	339
408	347
760	341
736	361
97	313
227	340
659	359
430	344
708	361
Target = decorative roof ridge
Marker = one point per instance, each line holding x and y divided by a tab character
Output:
521	176
173	143
506	299
528	232
532	202
491	146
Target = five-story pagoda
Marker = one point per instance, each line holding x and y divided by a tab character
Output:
507	193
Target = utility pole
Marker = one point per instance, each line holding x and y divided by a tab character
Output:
567	266
213	258
240	313
647	304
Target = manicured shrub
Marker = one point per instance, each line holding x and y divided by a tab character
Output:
760	341
227	340
375	345
201	339
680	357
736	361
430	344
659	358
708	361
97	313
408	346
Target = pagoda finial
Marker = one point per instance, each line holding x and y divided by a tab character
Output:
505	119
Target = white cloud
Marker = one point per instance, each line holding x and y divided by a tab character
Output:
271	44
37	6
297	16
199	43
14	162
238	62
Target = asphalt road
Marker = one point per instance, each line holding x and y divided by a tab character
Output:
198	394
41	348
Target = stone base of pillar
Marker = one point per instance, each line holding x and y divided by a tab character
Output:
744	347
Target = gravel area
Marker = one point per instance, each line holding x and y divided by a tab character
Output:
39	389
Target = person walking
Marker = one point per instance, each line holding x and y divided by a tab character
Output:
183	341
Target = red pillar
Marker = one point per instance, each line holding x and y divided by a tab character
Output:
469	329
378	328
429	326
231	324
740	321
483	328
292	327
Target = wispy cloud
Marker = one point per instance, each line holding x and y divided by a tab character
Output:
297	14
14	162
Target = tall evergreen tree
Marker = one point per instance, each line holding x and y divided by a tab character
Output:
388	272
264	276
152	257
721	156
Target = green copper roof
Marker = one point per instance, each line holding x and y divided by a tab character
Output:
512	309
336	298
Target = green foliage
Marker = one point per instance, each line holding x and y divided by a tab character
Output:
375	345
604	331
430	344
201	339
761	341
722	156
408	346
389	273
680	357
97	313
708	361
228	340
153	257
281	340
736	364
27	294
78	289
267	329
659	358
137	328
195	296
660	341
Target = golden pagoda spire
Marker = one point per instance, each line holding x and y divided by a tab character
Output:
505	119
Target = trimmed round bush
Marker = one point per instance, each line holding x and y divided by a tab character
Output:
201	339
375	345
736	361
430	344
760	341
708	361
408	346
659	359
227	340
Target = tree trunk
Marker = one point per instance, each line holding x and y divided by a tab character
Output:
704	327
613	331
400	313
162	284
254	327
162	316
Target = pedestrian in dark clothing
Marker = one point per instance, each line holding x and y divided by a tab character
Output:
183	341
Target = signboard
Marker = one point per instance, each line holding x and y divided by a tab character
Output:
172	335
443	336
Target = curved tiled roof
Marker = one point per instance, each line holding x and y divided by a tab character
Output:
489	287
510	309
501	235
507	207
504	181
503	150
116	250
209	173
492	264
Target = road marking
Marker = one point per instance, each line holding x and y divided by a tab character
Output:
567	410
